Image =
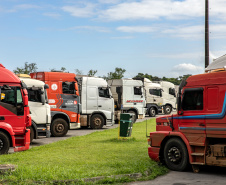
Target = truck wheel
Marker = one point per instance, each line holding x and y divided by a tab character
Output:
152	112
167	109
97	121
176	155
32	134
135	117
59	127
4	143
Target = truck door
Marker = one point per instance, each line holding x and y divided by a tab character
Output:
215	111
37	109
70	101
192	116
138	98
92	99
105	102
154	95
11	108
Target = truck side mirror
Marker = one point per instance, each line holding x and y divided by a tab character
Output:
25	97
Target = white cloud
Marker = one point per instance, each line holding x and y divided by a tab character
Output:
53	15
192	56
22	7
168	9
140	29
153	9
109	1
125	37
84	10
187	68
91	28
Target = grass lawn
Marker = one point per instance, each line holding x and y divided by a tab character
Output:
96	154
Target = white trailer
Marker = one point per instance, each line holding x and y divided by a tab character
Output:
97	104
39	107
128	96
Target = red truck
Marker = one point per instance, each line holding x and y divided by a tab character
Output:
196	135
14	113
64	100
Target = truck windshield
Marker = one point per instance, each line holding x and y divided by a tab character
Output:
104	92
34	95
156	92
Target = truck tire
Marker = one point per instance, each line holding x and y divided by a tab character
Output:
152	112
176	155
96	121
134	118
32	134
4	143
167	109
59	127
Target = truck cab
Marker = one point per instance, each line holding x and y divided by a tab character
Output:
129	97
15	119
39	107
196	135
64	100
97	103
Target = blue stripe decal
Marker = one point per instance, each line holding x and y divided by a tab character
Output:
192	128
200	128
207	116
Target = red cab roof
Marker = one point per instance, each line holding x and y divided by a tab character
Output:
7	76
207	79
53	76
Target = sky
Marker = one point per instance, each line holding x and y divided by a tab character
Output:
157	37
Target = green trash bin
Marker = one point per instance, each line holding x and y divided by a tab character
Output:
126	124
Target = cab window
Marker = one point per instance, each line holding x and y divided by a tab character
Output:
156	92
192	99
104	92
68	87
137	91
34	95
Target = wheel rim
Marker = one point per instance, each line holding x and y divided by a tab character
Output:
152	112
97	121
174	155
167	109
59	127
1	144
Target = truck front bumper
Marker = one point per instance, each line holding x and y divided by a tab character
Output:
153	153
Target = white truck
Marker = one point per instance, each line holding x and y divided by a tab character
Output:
39	107
160	96
129	97
168	96
97	104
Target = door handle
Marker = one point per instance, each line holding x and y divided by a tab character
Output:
99	105
63	106
2	118
202	124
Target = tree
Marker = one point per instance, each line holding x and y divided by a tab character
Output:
91	72
78	72
118	74
27	69
63	69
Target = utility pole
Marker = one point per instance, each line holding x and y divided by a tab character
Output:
206	33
